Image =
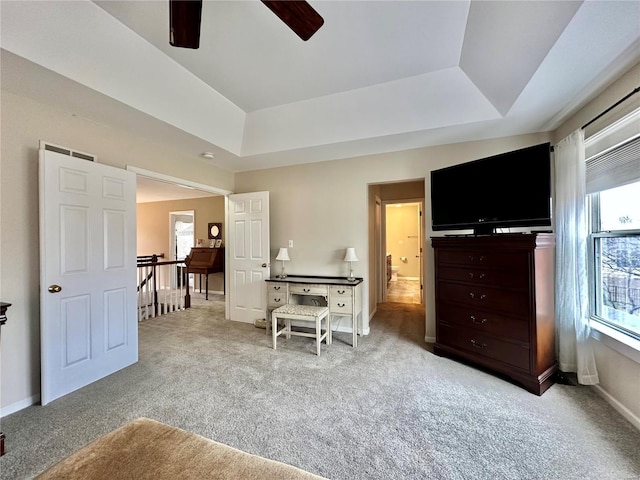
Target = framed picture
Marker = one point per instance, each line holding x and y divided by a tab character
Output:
215	230
218	243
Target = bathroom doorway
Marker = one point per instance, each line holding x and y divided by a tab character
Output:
403	242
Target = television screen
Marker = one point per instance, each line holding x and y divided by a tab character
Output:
508	190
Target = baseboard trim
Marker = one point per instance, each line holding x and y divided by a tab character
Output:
430	339
21	405
619	407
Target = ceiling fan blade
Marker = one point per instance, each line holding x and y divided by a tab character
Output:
298	15
184	23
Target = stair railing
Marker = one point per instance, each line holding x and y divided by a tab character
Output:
160	286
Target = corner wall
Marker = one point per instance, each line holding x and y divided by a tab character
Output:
23	123
619	374
325	207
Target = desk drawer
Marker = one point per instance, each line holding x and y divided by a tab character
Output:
277	287
276	299
341	305
308	289
340	291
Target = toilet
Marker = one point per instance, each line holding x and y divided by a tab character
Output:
394	273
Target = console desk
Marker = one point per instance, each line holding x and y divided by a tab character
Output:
344	298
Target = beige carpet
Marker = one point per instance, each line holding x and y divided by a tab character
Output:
145	448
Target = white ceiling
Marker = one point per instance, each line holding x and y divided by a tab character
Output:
150	190
379	76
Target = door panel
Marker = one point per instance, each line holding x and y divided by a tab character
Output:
88	321
249	256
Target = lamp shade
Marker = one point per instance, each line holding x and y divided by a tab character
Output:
283	254
350	255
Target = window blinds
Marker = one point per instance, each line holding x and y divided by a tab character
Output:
617	166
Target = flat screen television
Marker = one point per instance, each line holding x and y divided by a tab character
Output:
508	190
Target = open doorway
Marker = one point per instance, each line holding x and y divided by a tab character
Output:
401	244
182	238
174	215
403	239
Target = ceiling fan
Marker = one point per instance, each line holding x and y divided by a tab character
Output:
185	18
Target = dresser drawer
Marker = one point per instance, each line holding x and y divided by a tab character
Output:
483	345
341	305
339	291
276	299
488	322
308	289
276	287
513	303
485	276
515	261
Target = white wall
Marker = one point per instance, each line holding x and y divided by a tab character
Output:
24	123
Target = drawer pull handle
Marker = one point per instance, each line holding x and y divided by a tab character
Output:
477	344
472	258
472	295
478	322
306	290
471	275
277	300
483	297
276	288
341	305
482	275
341	292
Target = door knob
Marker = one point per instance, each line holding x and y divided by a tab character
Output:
55	288
264	265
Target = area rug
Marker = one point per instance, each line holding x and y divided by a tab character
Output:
146	449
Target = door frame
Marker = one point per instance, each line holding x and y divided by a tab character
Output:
198	186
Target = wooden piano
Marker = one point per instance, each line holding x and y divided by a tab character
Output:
205	261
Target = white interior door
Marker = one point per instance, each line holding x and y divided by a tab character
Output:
88	321
248	255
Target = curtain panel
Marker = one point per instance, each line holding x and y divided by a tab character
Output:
575	353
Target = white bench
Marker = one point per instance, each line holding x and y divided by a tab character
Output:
306	313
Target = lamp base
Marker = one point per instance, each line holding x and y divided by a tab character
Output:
351	279
282	275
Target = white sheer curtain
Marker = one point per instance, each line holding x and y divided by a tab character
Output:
572	293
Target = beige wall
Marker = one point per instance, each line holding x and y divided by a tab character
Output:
153	227
619	375
23	123
153	222
325	207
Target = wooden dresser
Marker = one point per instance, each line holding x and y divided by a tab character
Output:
495	304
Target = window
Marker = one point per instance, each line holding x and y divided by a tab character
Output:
615	257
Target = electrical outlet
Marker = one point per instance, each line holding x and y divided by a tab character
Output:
290	243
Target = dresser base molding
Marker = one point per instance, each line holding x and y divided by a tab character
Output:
537	384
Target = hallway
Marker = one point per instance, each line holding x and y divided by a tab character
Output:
403	291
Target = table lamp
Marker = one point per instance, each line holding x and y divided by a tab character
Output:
283	255
350	256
